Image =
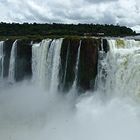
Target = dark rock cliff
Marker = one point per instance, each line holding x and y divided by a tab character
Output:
88	63
87	67
7	51
68	56
23	60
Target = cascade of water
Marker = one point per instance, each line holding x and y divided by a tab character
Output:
76	68
11	76
53	62
49	64
1	59
123	68
66	65
102	67
56	66
35	55
46	62
39	61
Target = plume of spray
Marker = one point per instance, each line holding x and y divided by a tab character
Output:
30	112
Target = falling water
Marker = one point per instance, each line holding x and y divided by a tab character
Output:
102	68
27	112
49	64
1	60
39	61
76	67
56	66
46	62
11	76
121	66
66	65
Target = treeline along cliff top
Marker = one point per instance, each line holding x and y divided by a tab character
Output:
16	29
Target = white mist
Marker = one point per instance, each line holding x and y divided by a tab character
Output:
112	112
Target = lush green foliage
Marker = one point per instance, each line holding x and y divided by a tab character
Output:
35	29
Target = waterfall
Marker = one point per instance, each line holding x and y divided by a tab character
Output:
39	61
46	62
101	68
76	68
56	65
118	69
37	110
1	59
53	63
66	65
122	67
11	76
49	64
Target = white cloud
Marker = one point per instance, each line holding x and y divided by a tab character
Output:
136	28
123	12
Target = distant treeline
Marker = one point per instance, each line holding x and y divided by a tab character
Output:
16	29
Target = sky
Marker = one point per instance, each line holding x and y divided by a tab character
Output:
122	12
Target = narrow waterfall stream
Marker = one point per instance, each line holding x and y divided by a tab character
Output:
76	68
1	60
12	66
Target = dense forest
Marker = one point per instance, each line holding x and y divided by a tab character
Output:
35	29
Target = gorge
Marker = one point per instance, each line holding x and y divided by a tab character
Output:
70	88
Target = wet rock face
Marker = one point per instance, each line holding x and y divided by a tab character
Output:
68	56
88	64
23	60
105	45
87	68
7	51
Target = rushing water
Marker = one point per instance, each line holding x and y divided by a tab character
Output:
65	72
76	68
39	61
121	66
112	112
46	62
55	66
1	59
12	66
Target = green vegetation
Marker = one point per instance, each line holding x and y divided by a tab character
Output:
35	30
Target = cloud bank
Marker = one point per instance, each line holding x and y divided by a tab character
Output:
123	12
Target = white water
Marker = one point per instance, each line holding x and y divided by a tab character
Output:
39	61
76	68
11	76
46	62
28	112
102	70
122	66
1	60
55	66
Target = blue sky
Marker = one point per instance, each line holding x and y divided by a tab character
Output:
123	12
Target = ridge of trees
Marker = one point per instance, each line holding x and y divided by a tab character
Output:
16	29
